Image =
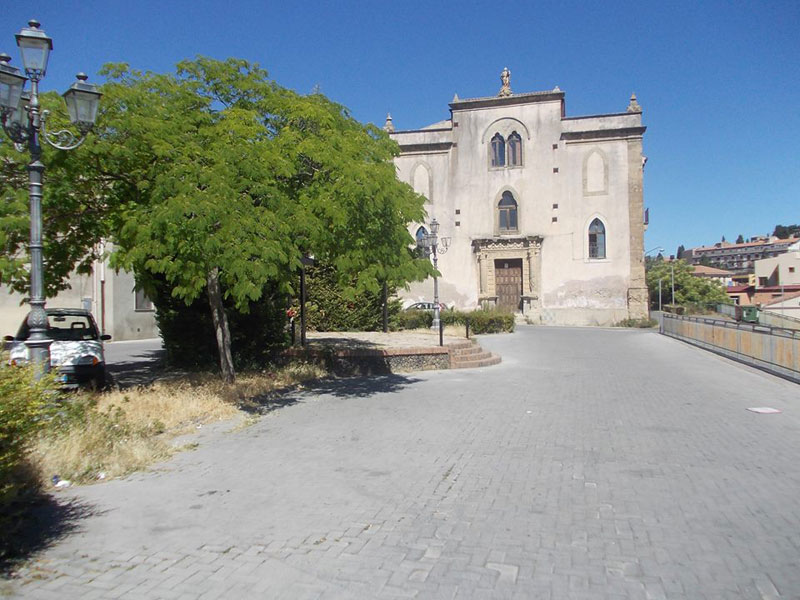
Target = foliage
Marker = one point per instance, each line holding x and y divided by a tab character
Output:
74	211
332	305
412	319
25	406
740	239
786	231
481	320
215	177
189	337
689	289
680	251
637	323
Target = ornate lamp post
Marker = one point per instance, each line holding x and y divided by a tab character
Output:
659	249
24	122
430	244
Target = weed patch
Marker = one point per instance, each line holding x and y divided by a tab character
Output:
102	436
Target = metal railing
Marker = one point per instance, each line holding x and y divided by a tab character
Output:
773	349
775	318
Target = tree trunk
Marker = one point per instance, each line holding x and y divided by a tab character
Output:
385	307
220	326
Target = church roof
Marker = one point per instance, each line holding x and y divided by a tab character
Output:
524	98
446	124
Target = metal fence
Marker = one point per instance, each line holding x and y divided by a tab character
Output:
773	349
727	309
774	318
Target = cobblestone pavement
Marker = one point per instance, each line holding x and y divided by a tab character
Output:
591	463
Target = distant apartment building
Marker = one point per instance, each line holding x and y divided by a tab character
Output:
783	269
723	277
739	258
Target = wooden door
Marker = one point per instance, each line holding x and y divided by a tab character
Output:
508	283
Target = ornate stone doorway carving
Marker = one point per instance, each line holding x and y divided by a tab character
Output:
516	286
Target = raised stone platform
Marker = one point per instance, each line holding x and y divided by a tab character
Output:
371	353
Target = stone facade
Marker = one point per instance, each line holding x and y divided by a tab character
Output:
544	212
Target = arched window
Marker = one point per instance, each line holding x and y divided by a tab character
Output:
597	239
422	233
514	150
498	151
507	213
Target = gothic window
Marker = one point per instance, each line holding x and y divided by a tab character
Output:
514	150
498	151
597	239
507	213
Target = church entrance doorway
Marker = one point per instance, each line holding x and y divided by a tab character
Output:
508	283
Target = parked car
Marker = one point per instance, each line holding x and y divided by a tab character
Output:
76	352
425	306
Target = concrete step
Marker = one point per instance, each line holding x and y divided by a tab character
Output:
470	355
486	359
468	351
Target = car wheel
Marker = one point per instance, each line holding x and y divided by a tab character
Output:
99	381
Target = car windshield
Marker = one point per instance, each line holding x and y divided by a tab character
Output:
64	328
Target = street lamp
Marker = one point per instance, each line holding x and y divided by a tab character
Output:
25	123
658	249
430	245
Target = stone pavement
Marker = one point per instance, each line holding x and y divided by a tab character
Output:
591	463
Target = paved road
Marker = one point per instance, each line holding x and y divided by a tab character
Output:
133	362
590	464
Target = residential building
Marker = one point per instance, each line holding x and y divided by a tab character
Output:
119	309
723	277
739	258
781	269
543	211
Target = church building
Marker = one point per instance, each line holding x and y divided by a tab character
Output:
541	213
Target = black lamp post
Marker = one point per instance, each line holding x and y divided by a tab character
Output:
430	244
24	122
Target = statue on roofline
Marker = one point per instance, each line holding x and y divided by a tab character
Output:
505	78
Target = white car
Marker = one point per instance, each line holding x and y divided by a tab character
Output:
77	349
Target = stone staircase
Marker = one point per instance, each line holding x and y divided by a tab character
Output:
468	355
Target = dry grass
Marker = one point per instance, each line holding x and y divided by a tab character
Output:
123	431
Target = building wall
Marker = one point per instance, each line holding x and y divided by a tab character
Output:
573	171
108	295
783	269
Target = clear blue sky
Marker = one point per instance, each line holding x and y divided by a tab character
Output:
719	81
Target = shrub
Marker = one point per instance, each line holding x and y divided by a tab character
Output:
188	330
480	321
331	306
640	323
25	406
412	319
487	321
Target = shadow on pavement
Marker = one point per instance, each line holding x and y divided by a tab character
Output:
361	387
347	387
141	369
40	522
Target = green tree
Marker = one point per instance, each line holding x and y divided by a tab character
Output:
786	231
215	181
251	178
679	253
689	289
74	211
740	239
